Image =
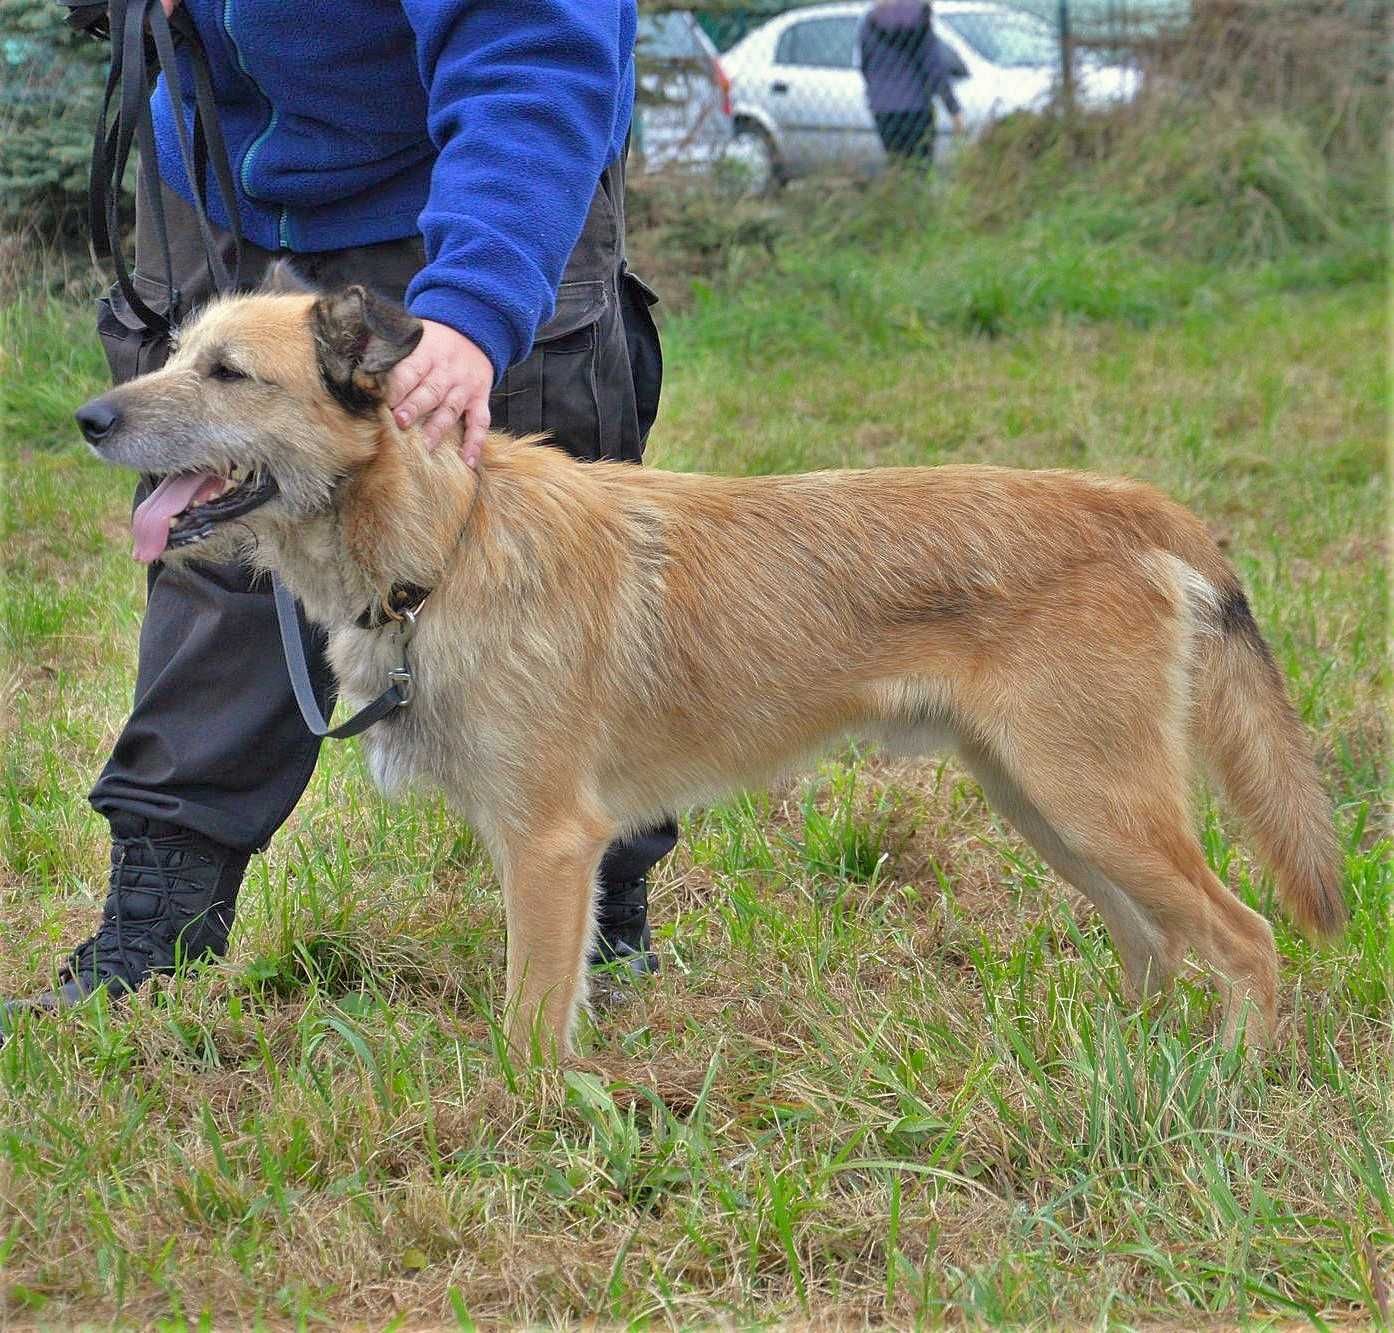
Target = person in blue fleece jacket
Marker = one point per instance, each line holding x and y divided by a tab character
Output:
466	157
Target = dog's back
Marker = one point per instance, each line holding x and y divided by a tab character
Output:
1092	623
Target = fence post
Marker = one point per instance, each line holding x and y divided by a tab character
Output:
1067	62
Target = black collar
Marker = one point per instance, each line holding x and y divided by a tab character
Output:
402	598
405	599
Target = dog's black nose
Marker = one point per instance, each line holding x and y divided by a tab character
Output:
96	419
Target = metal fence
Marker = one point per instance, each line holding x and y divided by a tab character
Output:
772	91
765	90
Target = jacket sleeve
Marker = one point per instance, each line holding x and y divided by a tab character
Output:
944	67
522	102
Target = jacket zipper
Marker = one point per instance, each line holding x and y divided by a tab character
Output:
244	174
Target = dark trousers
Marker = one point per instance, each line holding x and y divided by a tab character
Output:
907	134
215	742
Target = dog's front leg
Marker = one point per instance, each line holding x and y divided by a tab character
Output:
548	873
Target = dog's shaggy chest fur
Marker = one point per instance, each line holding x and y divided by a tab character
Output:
604	645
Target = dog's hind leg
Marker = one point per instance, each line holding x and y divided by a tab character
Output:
1157	860
1087	733
1123	838
1148	959
548	873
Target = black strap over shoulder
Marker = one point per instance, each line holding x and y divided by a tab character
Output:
144	43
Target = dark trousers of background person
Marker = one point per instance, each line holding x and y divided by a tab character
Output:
907	135
215	742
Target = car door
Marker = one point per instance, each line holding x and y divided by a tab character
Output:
817	95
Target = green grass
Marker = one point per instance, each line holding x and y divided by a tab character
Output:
887	1074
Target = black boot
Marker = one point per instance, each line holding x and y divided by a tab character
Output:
172	896
622	928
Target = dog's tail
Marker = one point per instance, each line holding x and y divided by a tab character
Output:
1261	756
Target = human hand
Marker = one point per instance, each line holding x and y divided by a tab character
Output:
169	6
445	379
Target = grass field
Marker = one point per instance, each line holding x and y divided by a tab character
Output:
887	1074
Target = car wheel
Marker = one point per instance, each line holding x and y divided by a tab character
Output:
756	163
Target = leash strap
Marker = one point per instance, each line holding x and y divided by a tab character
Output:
397	695
128	88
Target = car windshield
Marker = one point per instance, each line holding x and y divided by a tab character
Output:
1016	41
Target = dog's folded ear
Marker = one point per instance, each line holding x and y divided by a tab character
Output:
360	337
282	280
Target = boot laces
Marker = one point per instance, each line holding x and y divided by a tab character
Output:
125	948
623	906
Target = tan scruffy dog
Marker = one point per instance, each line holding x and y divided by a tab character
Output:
602	644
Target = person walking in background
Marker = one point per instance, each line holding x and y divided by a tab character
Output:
906	67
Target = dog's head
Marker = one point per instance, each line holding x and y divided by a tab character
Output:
266	405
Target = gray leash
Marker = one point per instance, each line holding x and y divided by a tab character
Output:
397	695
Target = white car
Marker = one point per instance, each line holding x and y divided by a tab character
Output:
800	100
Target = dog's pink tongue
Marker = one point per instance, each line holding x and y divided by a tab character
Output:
150	523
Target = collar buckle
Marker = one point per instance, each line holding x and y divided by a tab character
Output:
389	610
406	622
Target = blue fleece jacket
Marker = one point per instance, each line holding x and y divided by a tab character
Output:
483	124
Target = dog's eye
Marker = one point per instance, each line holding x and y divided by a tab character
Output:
220	370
